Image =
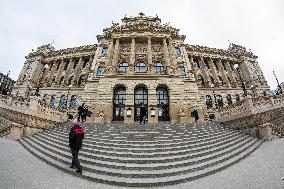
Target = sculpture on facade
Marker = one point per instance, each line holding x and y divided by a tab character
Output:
181	112
100	113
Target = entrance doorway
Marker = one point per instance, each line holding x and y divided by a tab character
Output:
163	104
119	104
140	95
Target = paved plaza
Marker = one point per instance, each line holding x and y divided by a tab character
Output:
262	169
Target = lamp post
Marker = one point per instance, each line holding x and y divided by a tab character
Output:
216	104
279	86
236	66
40	80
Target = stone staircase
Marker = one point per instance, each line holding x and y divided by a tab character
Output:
145	155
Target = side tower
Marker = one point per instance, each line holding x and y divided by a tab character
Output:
250	70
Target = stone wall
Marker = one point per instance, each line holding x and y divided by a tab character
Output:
261	117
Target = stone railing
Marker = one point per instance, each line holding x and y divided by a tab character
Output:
28	115
255	115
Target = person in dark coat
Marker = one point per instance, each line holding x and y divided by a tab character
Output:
84	113
76	136
142	113
194	114
81	112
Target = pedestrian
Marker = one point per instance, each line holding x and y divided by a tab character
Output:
84	113
80	112
142	112
194	114
76	136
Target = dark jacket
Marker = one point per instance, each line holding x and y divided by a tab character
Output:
76	135
194	114
143	111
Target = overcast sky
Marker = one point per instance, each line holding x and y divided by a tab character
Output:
258	25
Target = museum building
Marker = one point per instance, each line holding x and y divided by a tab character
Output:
141	61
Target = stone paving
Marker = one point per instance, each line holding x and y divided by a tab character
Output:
262	170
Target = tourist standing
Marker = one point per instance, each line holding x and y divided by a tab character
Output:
80	112
76	136
194	114
84	113
142	113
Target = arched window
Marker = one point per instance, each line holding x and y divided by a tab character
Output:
219	101
119	98
237	98
61	82
73	101
122	67
141	95
70	80
100	71
52	101
163	104
229	99
45	98
162	96
141	67
208	101
158	67
82	79
181	71
62	102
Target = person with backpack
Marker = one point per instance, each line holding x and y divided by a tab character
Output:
76	136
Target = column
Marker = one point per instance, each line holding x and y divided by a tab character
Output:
166	52
69	69
204	71
59	71
78	70
231	74
149	55
110	53
132	56
115	54
224	76
214	71
172	54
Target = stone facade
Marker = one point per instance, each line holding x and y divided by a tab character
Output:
144	57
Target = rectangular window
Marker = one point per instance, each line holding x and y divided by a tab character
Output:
105	51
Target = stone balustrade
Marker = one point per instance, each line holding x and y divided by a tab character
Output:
255	115
28	115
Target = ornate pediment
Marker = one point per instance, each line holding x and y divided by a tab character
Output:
141	24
